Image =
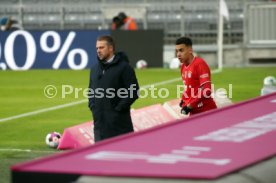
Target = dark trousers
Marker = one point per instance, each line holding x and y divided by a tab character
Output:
97	135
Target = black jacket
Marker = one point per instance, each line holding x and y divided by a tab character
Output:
111	113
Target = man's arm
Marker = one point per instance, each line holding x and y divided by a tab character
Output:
91	99
131	84
204	91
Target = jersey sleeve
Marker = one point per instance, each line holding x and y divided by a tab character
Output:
204	76
204	73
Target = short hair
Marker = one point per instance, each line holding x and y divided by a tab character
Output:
122	15
110	41
184	40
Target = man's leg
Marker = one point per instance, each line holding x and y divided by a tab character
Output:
97	135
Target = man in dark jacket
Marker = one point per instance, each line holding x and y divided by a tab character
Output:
113	88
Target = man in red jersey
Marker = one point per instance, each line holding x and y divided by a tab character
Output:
196	77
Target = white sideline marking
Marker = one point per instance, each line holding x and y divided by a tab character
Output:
216	71
41	111
161	83
27	150
85	100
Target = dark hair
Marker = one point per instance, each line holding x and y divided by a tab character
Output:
184	40
122	15
108	39
118	22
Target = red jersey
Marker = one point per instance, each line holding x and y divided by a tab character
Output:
197	86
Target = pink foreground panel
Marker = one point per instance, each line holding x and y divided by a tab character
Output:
205	146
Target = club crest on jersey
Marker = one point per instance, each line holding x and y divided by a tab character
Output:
189	74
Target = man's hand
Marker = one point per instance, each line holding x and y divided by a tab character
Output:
181	103
186	110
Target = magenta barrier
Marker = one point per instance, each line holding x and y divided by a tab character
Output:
77	136
82	136
205	146
150	116
144	118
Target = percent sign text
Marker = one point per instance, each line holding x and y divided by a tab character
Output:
62	50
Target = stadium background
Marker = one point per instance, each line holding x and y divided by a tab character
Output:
249	55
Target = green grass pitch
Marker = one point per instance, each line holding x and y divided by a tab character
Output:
23	92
